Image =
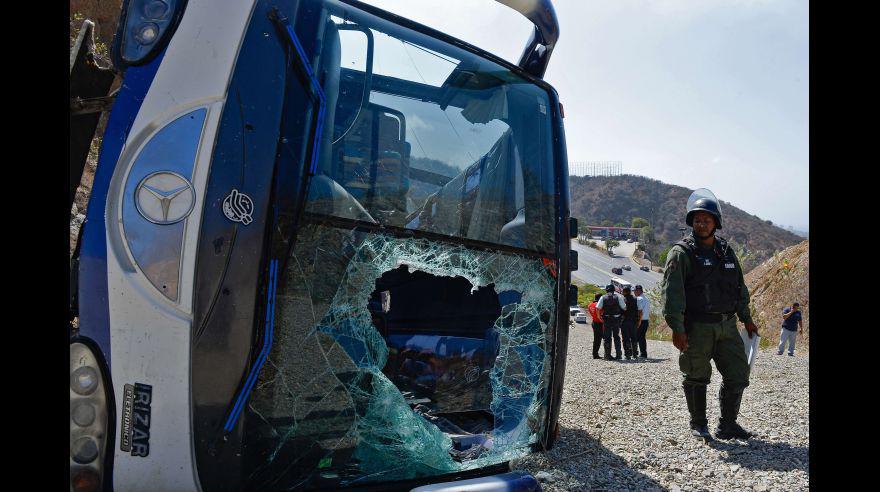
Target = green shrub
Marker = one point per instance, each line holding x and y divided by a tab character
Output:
662	258
655	319
638	222
586	293
611	244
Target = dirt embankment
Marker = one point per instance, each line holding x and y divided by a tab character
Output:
778	283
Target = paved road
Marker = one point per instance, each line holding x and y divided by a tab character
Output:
594	266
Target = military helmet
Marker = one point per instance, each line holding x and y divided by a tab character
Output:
703	200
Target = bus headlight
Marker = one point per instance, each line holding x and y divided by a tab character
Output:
155	9
88	419
84	380
146	33
145	25
84	450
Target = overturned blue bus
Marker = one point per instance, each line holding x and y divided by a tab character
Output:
326	248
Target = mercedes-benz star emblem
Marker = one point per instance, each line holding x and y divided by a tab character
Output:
164	197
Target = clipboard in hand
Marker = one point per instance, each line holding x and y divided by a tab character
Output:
751	346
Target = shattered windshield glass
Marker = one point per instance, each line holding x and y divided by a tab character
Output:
403	342
399	358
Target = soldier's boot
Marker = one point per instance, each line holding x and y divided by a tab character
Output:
729	402
696	401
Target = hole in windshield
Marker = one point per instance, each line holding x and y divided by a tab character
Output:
397	358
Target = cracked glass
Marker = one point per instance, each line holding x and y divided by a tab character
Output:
415	312
358	388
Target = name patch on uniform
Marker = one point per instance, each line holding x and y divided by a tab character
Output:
729	265
136	408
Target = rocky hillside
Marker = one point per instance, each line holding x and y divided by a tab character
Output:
777	283
620	198
104	13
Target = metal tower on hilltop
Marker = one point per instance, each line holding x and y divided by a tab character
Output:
595	168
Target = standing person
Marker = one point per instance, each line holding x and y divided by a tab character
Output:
611	307
791	321
597	325
629	324
704	293
644	306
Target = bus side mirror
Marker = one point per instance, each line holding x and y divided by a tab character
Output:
572	227
572	295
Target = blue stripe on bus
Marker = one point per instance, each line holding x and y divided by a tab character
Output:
273	268
316	144
264	353
94	312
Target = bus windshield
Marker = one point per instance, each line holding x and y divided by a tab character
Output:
410	325
429	137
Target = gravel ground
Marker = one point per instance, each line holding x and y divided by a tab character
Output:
624	426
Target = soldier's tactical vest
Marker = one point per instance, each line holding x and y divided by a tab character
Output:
632	309
713	283
610	306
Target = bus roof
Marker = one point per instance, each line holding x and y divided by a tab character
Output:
619	281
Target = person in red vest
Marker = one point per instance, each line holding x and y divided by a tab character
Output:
597	326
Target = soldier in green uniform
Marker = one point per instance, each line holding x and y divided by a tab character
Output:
704	293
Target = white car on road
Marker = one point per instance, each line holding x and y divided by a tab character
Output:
579	315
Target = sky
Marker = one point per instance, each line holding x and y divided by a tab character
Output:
696	93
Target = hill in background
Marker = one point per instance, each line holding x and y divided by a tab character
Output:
620	198
778	283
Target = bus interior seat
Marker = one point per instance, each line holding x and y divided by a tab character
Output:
500	200
372	163
326	196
